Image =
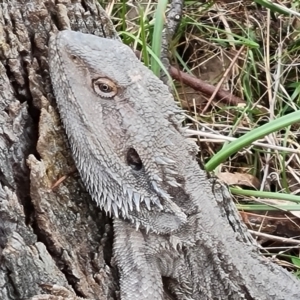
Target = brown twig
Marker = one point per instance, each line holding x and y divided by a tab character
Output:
275	238
199	85
217	88
63	178
204	87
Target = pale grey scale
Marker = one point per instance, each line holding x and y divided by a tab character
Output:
108	201
115	210
100	200
191	146
185	132
157	202
168	142
169	174
180	119
168	160
156	188
107	209
124	208
104	195
147	202
161	192
160	161
136	200
170	171
155	177
129	202
172	182
137	225
119	201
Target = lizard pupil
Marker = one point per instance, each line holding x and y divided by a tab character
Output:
105	88
134	160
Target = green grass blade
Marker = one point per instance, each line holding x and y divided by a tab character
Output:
252	136
245	41
268	195
262	207
157	35
143	38
274	7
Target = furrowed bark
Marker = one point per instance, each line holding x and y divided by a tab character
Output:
48	236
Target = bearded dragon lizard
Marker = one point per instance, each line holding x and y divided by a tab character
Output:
176	234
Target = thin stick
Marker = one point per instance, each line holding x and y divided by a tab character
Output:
222	79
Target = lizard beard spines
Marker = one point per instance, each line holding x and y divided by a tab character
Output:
122	204
166	219
120	200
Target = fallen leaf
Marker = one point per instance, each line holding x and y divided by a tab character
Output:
242	179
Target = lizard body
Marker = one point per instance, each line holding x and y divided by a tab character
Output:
170	220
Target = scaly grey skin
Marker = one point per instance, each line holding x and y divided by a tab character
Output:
170	220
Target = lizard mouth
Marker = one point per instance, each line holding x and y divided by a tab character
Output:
134	160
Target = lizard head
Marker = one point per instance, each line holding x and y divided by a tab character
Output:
123	127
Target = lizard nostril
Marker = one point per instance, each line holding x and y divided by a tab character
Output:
133	160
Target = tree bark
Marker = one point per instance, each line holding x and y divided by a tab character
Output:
47	236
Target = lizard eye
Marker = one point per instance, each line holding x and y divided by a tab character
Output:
105	88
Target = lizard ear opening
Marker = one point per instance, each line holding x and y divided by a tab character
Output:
134	160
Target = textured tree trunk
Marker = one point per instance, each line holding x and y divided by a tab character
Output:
47	235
